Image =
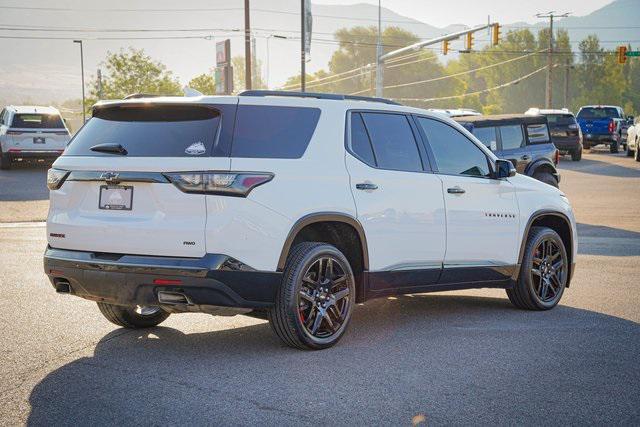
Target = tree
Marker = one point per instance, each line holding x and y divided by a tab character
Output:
132	71
205	83
238	75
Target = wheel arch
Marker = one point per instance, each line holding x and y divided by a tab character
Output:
542	165
339	229
558	222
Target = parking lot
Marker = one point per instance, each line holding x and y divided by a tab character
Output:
463	357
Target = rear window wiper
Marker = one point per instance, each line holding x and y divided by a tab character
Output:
110	148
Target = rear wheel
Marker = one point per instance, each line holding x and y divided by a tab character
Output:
576	155
629	152
5	161
543	273
636	153
613	147
314	304
546	177
133	317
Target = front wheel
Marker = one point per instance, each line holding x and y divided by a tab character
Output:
133	317
314	304
636	153
544	271
629	152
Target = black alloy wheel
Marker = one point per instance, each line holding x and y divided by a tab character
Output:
315	301
544	271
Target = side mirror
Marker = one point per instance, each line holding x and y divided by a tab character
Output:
504	169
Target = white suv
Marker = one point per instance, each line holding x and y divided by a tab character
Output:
30	132
293	207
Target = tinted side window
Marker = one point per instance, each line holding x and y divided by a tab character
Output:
512	137
393	142
538	134
487	136
454	153
360	143
273	132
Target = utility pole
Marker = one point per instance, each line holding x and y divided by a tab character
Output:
99	76
247	46
379	68
566	82
303	59
84	114
549	82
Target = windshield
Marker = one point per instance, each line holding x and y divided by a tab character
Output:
43	121
598	113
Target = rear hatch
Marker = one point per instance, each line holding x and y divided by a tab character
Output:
563	127
117	197
37	132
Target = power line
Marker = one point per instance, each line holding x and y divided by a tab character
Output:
442	98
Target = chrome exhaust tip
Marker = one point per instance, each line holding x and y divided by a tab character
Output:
173	298
62	286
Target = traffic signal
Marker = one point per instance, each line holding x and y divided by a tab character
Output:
445	47
468	45
622	54
495	35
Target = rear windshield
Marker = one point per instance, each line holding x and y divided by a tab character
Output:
159	131
273	132
42	121
598	113
557	120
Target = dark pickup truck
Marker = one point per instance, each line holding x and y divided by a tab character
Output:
523	139
601	124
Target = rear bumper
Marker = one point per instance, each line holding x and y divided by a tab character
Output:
213	280
568	144
34	154
600	139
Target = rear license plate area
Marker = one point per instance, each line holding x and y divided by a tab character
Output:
116	197
39	139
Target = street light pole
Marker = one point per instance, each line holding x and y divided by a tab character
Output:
247	46
84	118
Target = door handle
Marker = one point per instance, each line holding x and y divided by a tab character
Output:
366	186
455	190
526	157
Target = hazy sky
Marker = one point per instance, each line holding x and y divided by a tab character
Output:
475	11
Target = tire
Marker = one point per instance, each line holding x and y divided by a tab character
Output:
302	297
613	147
546	177
629	152
529	291
636	153
5	161
576	155
128	317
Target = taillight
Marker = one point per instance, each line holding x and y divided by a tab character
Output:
237	184
62	133
55	178
612	126
557	157
14	132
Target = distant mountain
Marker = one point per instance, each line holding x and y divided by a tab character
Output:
48	70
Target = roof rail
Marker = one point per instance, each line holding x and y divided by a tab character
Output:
334	96
141	95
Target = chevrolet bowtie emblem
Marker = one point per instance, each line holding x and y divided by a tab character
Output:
110	177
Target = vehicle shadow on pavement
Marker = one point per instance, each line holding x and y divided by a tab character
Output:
24	182
454	359
607	241
599	167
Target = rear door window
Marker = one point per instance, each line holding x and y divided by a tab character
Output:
360	143
512	137
394	144
158	131
538	133
273	132
37	121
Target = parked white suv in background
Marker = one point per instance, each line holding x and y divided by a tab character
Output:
293	207
30	132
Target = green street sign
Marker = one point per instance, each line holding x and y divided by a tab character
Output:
632	53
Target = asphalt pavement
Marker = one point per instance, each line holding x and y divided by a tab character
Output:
464	357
